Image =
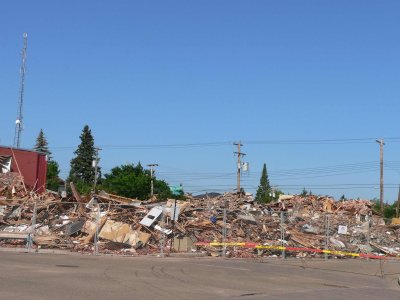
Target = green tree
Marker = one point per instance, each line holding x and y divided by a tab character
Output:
53	171
389	211
53	179
264	191
82	171
304	192
134	182
376	206
42	145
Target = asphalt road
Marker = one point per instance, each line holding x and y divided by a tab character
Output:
49	276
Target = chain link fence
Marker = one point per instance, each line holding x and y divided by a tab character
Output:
220	231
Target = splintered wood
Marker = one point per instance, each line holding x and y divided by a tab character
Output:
74	223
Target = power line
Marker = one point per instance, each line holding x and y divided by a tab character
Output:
226	143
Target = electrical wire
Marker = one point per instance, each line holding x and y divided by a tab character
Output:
229	143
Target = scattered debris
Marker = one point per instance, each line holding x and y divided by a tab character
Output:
130	226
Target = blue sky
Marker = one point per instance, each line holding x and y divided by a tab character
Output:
194	72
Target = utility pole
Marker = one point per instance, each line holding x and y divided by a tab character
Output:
18	121
381	144
224	229
398	204
95	165
239	164
151	175
326	235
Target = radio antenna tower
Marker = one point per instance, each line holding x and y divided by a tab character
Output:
18	121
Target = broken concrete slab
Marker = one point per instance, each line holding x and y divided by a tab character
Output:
144	237
183	244
247	218
121	233
307	228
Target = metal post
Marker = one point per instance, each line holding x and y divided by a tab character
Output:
18	121
398	204
96	236
162	234
326	235
173	226
224	234
370	222
32	230
283	233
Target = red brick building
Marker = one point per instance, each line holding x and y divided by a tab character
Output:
31	164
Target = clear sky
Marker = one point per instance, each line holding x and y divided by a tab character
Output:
190	73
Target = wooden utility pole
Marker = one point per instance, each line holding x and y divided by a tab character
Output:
239	164
398	204
381	144
95	165
151	175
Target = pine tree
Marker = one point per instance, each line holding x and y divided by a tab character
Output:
264	191
53	171
82	171
42	145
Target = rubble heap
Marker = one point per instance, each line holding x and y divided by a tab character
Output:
130	226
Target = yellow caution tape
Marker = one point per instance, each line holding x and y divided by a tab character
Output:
282	248
271	247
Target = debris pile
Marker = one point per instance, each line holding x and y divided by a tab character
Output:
114	224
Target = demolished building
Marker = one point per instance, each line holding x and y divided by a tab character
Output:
29	164
112	224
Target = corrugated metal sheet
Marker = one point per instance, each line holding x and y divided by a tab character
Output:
31	164
74	227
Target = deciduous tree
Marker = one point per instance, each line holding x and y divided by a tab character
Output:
134	182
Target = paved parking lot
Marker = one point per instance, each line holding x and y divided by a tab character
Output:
49	276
